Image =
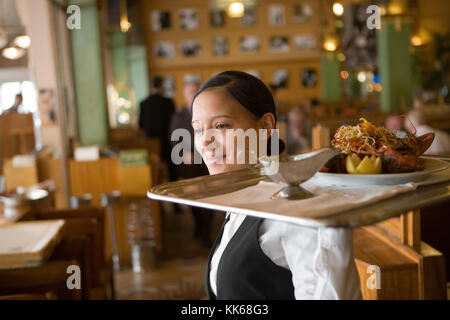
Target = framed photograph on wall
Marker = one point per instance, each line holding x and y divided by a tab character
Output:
277	16
192	78
220	46
255	73
160	20
190	48
164	49
188	19
309	78
168	86
279	44
304	41
303	12
217	18
250	44
280	78
249	17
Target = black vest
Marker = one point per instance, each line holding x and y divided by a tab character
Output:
245	272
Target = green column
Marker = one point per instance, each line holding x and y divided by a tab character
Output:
394	63
331	80
139	72
88	76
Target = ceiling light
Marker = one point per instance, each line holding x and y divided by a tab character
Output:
125	25
361	76
236	9
13	53
416	41
330	45
338	9
22	42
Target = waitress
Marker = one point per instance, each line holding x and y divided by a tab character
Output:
254	258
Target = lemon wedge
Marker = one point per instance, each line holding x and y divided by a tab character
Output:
355	165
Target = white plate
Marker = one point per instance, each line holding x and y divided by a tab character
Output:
345	179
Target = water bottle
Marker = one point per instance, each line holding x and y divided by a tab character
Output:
141	235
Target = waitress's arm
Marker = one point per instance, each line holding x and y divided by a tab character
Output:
322	263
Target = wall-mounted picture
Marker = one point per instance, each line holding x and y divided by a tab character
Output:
160	20
217	18
255	73
190	48
249	17
192	78
359	43
280	78
164	49
277	16
302	12
309	78
279	44
250	44
305	41
188	19
169	86
220	46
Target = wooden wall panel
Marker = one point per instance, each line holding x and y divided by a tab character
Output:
264	61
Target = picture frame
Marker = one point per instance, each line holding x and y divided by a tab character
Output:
164	49
303	12
276	14
255	73
279	44
249	17
190	48
305	41
160	20
280	78
192	78
250	44
188	19
168	85
309	77
220	46
217	18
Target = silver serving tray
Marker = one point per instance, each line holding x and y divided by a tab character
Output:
191	191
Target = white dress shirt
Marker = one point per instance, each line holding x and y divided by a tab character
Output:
320	259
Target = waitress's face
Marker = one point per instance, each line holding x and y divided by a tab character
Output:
216	109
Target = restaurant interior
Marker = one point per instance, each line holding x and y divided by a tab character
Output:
77	159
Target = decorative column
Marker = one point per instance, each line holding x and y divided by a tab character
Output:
394	63
88	76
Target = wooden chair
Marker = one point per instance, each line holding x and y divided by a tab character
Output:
86	227
49	277
47	296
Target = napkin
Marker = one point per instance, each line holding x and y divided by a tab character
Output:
328	199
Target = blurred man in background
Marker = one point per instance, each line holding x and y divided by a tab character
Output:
154	118
182	120
298	132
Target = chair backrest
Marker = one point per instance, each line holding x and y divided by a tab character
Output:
87	222
49	277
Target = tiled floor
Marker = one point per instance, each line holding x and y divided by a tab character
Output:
180	271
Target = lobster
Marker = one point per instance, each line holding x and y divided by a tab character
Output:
398	154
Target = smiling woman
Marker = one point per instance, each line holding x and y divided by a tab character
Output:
287	261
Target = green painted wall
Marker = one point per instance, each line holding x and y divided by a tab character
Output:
139	74
88	76
331	81
394	63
